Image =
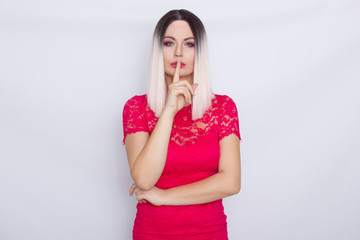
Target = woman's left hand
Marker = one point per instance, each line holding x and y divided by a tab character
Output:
155	195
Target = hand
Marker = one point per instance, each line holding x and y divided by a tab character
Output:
179	92
155	195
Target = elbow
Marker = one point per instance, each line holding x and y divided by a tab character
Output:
235	188
233	184
142	183
237	185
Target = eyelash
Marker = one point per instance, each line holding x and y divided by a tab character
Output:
190	44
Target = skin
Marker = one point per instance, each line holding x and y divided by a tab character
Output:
179	43
147	160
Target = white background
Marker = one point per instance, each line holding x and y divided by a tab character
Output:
67	68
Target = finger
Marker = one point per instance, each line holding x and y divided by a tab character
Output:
137	190
140	197
177	71
185	92
132	189
187	84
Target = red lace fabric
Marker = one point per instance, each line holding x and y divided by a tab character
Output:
193	155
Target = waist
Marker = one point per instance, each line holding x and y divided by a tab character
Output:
197	218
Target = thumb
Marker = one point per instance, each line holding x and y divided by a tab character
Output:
194	85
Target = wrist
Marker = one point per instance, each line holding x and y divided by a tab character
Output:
164	197
166	113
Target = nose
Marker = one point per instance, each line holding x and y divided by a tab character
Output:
178	50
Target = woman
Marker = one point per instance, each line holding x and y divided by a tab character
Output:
182	140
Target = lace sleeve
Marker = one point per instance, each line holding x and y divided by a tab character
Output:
134	119
229	122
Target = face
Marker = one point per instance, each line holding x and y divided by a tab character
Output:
179	42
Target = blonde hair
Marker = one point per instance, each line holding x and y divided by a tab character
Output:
157	88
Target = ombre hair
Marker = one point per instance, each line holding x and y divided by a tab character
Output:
157	88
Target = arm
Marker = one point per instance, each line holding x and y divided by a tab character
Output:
222	184
147	155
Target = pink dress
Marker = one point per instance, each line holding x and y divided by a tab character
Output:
193	155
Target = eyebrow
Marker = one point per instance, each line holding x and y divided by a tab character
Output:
175	39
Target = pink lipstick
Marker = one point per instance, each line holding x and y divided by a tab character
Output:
173	64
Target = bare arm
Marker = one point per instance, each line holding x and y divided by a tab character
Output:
222	184
147	155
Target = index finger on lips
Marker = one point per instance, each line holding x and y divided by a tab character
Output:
177	71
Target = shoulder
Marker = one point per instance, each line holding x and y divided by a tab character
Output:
136	104
226	105
223	100
137	99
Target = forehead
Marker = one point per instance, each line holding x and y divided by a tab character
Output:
179	28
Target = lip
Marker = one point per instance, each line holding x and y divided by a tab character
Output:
173	64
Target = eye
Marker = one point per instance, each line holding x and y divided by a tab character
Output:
190	44
168	43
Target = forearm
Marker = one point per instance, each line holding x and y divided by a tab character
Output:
150	162
213	188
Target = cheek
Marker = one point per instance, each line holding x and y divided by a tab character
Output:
192	57
193	60
166	54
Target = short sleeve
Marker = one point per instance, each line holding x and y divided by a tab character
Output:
134	118
229	120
